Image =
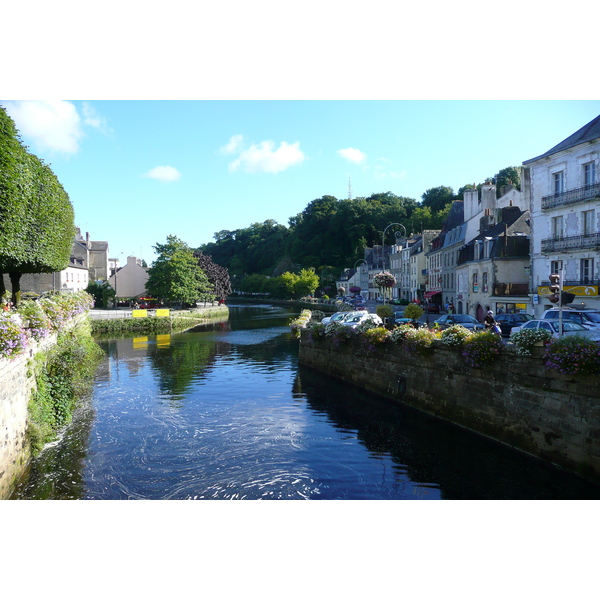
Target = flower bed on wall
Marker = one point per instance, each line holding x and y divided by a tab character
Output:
569	355
37	319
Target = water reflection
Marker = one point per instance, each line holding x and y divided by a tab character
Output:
224	412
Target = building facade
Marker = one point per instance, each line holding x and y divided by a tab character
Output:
563	190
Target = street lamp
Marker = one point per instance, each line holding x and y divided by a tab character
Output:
396	235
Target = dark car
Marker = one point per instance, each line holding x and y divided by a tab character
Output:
507	322
467	321
432	308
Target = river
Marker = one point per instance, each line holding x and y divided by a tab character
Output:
225	412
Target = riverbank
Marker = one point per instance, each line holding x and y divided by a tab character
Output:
124	321
313	305
516	400
38	392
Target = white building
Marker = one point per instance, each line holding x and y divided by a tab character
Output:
130	280
562	188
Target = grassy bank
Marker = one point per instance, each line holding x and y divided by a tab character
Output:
179	321
63	375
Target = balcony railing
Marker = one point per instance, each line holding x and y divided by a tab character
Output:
572	242
572	196
511	289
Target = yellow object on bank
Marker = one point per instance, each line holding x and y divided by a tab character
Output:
139	312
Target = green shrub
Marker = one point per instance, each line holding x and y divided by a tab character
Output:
481	349
525	339
454	336
385	311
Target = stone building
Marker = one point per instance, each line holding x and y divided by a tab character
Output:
129	281
563	190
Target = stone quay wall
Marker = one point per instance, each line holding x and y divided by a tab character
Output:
515	401
17	381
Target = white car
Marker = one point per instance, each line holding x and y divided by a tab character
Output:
338	316
354	319
552	325
590	319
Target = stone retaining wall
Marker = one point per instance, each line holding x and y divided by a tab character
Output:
516	401
16	383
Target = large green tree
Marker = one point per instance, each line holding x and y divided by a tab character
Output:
175	275
438	197
36	216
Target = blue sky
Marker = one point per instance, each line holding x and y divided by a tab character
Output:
137	171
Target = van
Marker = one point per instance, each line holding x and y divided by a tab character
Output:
590	319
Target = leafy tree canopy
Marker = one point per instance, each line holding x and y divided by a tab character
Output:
438	197
175	275
36	216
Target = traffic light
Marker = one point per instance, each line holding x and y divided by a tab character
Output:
554	288
566	298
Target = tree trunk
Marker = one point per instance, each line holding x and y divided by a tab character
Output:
2	286
15	281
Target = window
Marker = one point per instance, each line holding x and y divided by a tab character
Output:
484	281
475	282
559	182
587	222
556	266
557	227
589	174
587	270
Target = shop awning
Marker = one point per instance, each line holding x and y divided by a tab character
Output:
430	294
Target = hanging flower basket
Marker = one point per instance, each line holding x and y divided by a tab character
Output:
384	280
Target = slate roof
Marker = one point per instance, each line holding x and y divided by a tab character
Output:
587	133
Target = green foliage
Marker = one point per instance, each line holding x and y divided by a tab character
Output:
175	275
63	375
411	339
36	215
481	349
102	292
375	337
573	354
506	176
526	339
454	336
438	198
385	311
413	311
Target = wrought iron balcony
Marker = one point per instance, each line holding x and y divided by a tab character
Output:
572	196
572	242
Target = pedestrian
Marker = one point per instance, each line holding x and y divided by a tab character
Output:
450	308
447	307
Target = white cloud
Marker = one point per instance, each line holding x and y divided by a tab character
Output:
233	145
165	173
387	172
264	157
53	125
92	118
353	155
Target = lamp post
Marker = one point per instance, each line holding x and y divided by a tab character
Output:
397	236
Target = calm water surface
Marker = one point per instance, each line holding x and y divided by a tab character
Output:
225	412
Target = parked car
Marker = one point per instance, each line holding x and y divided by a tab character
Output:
354	319
400	319
590	319
338	316
508	321
467	321
552	325
429	307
